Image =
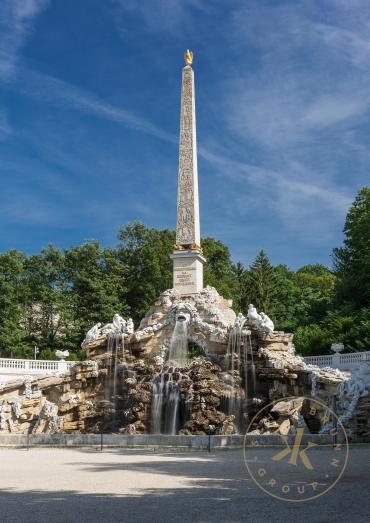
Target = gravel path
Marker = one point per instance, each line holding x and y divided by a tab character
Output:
78	485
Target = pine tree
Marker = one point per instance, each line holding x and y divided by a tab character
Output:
352	261
12	290
263	285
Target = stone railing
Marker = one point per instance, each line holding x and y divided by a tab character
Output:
339	361
34	367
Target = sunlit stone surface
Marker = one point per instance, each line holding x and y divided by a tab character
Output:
187	257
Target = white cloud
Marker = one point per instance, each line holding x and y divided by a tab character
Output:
309	75
302	108
331	109
292	198
295	106
16	22
162	15
62	94
288	193
5	128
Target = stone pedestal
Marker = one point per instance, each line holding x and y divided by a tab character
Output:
187	271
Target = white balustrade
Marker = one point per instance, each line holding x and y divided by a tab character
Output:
340	361
34	367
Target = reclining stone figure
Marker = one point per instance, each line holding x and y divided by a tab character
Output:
266	324
253	317
94	333
260	321
119	324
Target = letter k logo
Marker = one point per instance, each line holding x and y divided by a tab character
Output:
295	452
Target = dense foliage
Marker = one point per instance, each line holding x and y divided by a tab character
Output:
51	299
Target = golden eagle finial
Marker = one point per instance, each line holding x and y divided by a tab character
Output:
188	57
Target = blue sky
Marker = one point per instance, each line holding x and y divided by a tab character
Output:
89	117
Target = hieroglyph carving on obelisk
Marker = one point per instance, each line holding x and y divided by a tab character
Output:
187	227
187	257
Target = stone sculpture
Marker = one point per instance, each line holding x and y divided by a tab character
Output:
350	391
62	354
94	333
108	328
266	324
253	317
130	326
260	321
187	257
119	323
118	326
137	386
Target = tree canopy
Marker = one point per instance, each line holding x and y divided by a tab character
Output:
352	261
52	298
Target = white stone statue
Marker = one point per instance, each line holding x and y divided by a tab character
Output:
261	321
266	324
118	326
108	328
130	326
253	316
62	354
119	323
93	333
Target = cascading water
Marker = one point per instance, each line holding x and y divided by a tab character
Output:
167	408
239	367
116	348
171	410
157	403
179	342
231	402
117	365
252	366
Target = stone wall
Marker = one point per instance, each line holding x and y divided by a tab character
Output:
70	402
218	393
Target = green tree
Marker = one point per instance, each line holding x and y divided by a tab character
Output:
313	339
96	284
353	330
219	271
286	297
146	253
315	285
12	291
240	277
45	306
263	285
352	261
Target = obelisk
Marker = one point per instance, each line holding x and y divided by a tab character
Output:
187	257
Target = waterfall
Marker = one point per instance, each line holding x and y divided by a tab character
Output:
178	352
240	364
235	361
252	366
172	406
157	402
166	404
166	408
116	354
116	348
